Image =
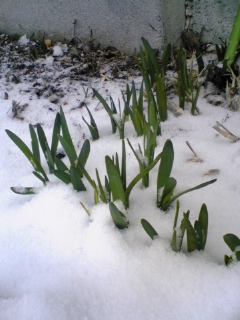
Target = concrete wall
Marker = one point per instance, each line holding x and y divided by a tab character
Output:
119	23
214	17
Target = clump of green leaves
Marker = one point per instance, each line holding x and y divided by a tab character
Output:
188	86
167	184
118	180
74	174
196	234
233	243
136	110
117	119
55	165
146	156
32	155
92	126
153	74
34	53
115	187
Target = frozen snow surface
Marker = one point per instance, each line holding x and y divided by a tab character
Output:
56	262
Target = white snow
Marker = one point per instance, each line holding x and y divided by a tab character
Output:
23	40
56	262
49	61
57	51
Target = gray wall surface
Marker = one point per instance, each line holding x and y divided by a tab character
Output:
215	18
119	23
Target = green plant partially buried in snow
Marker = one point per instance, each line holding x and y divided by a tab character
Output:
116	187
56	166
233	243
196	235
117	119
167	184
154	78
187	83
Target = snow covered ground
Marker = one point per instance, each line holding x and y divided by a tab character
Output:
56	262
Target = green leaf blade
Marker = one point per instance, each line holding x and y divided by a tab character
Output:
202	185
115	181
76	180
118	217
35	145
192	243
56	132
232	241
149	229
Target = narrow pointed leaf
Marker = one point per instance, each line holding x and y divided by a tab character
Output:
56	132
234	40
49	158
103	102
137	120
42	138
115	181
161	98
65	133
63	176
92	126
140	100
178	235
45	147
168	190
39	177
60	165
166	164
203	221
192	243
232	241
174	241
84	153
102	193
134	97
202	185
87	176
86	210
118	217
165	58
76	179
21	145
198	231
27	152
140	161
176	214
69	149
149	229
35	145
124	166
151	55
140	176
